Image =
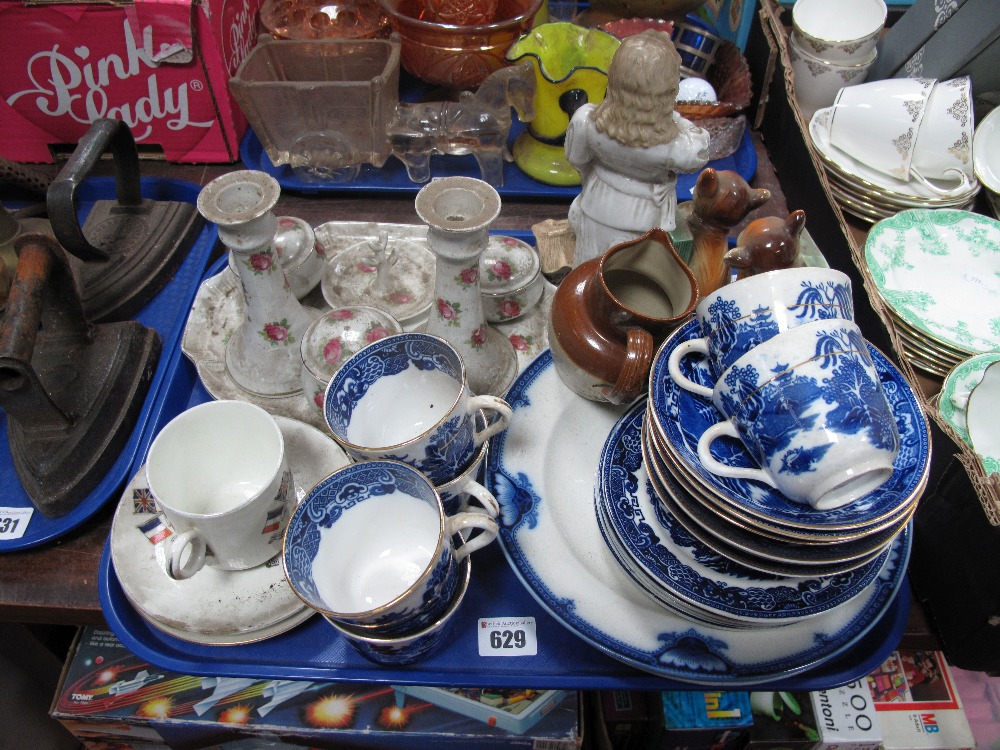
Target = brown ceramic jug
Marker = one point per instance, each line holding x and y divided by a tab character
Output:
611	313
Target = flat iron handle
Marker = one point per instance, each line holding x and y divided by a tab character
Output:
104	135
22	321
43	296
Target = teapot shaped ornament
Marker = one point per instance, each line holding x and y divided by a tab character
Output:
611	313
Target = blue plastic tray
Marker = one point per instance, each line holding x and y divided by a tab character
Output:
165	314
313	651
392	178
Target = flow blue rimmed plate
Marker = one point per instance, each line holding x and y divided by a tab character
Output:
165	314
676	561
542	471
682	417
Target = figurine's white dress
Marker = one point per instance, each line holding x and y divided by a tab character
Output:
626	190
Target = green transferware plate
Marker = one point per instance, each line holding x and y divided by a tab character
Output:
939	270
957	386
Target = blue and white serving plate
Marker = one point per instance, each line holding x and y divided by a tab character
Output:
681	417
542	471
677	562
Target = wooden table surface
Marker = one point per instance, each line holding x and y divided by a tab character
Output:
56	583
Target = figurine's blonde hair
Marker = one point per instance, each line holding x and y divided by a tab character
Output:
637	109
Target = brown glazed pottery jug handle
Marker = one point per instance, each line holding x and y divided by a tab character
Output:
635	369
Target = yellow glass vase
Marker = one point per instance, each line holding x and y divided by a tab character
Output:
571	68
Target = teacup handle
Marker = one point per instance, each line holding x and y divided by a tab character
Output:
691	346
963	186
490	505
472	520
190	539
493	426
727	429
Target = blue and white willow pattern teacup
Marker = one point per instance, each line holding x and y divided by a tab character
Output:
809	407
370	547
406	398
739	316
410	648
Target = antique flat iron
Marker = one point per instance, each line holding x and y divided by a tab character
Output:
127	248
72	389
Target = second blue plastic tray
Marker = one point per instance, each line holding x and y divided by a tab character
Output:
313	651
392	178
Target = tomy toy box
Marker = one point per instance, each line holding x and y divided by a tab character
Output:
161	66
109	697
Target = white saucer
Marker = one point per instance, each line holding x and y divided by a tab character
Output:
216	607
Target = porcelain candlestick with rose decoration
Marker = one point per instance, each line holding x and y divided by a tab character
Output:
458	212
262	356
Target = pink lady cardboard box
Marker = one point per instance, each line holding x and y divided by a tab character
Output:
161	66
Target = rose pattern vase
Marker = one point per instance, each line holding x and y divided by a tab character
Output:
262	356
458	212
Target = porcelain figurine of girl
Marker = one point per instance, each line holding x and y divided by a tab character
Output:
629	148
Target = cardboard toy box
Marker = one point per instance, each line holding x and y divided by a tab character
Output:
917	703
675	719
842	718
110	698
692	720
161	66
731	18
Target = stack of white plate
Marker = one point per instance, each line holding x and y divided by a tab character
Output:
700	544
937	272
869	194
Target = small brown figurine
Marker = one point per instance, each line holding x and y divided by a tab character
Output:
721	200
767	244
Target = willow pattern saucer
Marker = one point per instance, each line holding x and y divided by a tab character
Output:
541	469
678	562
851	543
939	270
681	417
214	606
958	384
749	548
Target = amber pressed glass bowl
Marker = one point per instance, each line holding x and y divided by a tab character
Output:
456	56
